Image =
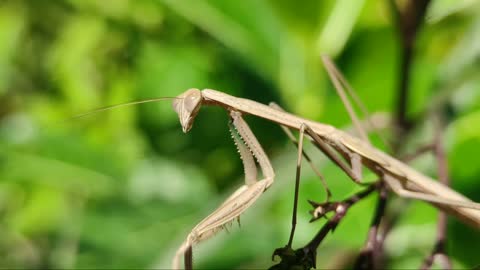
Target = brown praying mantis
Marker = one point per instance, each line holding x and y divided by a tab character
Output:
399	177
346	151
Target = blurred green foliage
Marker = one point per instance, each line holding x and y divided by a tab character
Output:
122	189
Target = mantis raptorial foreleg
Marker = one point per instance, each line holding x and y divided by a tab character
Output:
249	148
249	166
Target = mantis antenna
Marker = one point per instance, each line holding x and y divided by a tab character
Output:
110	107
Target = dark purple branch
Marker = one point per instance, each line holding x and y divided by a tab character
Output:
188	259
370	256
408	23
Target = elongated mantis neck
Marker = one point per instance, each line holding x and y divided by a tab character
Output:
213	97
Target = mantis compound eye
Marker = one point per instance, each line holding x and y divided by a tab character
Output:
187	106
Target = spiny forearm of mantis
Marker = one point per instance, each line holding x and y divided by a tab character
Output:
248	148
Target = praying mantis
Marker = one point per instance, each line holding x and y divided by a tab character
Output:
347	151
399	177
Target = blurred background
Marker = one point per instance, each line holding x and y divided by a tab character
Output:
122	189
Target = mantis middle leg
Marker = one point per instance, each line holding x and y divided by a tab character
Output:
301	152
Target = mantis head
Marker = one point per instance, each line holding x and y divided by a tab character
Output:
187	106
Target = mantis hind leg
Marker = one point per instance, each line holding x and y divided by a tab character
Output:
397	187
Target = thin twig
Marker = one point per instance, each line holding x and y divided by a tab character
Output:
408	24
